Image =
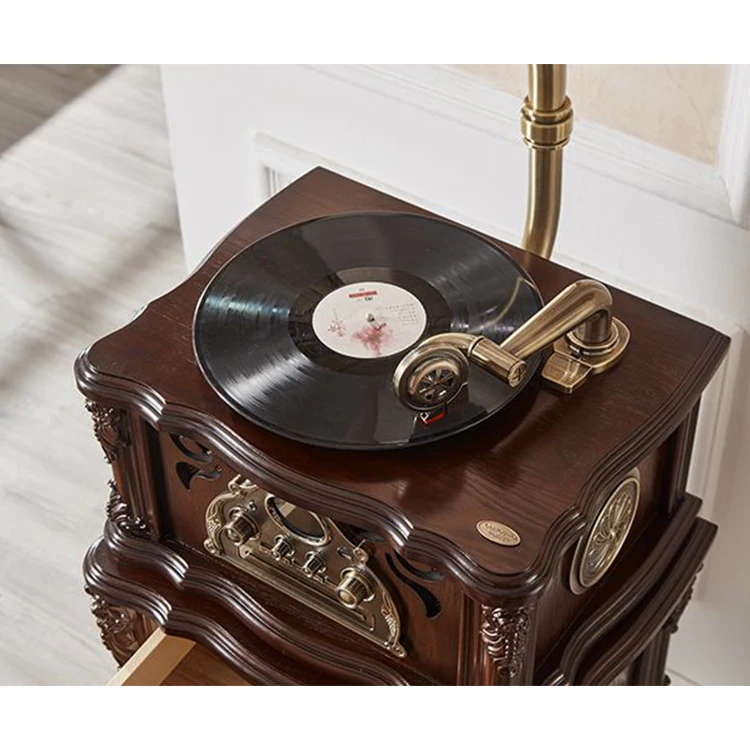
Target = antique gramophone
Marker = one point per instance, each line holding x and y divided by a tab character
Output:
490	491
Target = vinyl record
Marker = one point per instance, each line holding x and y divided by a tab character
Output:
301	332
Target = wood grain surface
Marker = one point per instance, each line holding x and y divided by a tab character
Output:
202	668
538	471
543	466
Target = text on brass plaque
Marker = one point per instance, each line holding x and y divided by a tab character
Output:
499	533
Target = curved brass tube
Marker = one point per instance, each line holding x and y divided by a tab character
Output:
478	349
439	365
583	310
546	125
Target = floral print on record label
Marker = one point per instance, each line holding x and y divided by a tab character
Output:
368	320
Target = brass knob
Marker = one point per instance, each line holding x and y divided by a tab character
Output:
242	526
282	548
314	563
354	588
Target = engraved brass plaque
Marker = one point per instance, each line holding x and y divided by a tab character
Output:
499	533
304	555
598	549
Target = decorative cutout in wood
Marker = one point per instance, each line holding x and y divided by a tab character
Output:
198	453
431	603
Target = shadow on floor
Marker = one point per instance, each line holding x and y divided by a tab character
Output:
31	94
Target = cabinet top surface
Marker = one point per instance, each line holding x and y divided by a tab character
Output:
536	466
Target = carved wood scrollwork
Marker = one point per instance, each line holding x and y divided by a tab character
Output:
123	630
110	428
119	514
505	634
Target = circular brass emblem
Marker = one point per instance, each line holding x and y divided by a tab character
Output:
598	549
499	533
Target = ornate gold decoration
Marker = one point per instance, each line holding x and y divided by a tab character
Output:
110	428
123	630
304	555
505	634
499	533
598	549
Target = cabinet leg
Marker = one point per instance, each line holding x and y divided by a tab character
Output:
650	667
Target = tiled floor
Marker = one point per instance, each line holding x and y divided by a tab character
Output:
88	234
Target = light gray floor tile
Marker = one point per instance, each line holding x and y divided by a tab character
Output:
88	234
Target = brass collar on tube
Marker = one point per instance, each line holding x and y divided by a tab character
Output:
546	125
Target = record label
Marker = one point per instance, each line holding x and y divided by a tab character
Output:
369	320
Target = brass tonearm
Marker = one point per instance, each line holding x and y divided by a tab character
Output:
587	340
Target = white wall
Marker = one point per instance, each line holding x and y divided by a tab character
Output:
678	107
645	219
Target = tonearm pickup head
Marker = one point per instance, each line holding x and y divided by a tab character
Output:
587	340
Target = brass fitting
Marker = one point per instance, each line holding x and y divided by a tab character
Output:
579	322
546	125
546	130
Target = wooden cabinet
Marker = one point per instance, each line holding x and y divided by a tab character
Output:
557	469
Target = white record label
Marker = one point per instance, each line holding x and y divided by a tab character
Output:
368	320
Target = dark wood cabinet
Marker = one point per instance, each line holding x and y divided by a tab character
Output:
447	605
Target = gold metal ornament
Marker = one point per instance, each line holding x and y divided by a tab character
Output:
499	533
304	555
597	550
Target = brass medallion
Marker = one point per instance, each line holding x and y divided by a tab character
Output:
598	549
499	533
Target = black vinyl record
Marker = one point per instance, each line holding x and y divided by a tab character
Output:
302	331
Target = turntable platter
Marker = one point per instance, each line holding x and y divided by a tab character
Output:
302	331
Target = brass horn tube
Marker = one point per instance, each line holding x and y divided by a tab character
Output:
546	125
582	312
584	308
